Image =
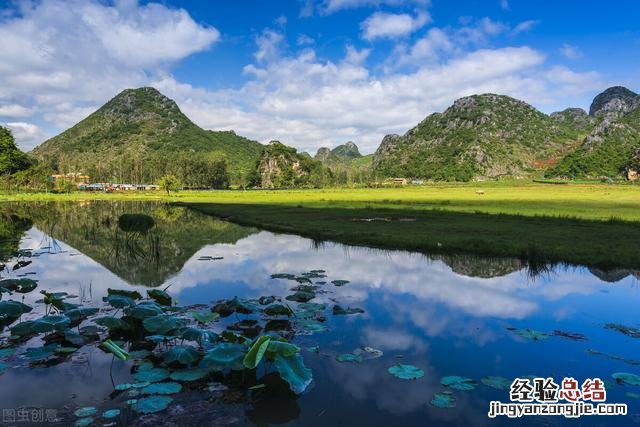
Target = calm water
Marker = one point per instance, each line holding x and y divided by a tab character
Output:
446	315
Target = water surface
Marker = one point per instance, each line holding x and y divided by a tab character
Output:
448	315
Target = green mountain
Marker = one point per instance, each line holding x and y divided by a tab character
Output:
613	146
342	153
280	166
480	136
12	159
139	136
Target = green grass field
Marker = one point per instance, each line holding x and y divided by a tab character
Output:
594	224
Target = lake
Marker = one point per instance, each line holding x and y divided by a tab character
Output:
448	315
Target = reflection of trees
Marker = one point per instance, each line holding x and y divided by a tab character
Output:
12	227
151	244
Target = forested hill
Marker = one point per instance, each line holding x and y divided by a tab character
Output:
141	135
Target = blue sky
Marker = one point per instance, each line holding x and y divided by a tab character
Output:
308	73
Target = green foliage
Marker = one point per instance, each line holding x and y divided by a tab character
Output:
482	135
12	160
170	183
141	135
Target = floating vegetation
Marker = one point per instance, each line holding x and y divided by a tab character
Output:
632	395
87	411
406	372
182	354
569	335
499	383
530	334
153	375
371	352
149	405
162	388
340	282
459	383
111	413
21	286
444	399
626	378
286	276
189	375
301	296
634	362
349	357
160	296
627	330
339	311
278	310
82	422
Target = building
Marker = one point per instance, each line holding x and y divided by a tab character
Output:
75	177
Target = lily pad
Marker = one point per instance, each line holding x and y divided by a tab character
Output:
134	295
83	422
111	413
340	282
119	301
311	325
21	286
349	357
189	375
12	308
278	310
112	323
201	336
51	323
301	296
162	388
283	276
339	311
371	353
77	315
627	330
163	324
224	355
153	375
205	316
406	372
292	370
160	296
459	383
144	310
41	353
85	412
531	334
444	399
626	378
256	352
499	383
183	354
149	405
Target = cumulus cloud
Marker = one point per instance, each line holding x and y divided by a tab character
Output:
331	6
390	25
28	133
68	57
524	26
570	52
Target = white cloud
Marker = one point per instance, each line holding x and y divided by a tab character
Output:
570	52
524	26
390	25
29	134
330	6
307	102
268	45
505	4
68	57
15	110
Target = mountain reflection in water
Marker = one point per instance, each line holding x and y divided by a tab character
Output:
447	314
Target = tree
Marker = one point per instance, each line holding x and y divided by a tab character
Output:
170	183
12	159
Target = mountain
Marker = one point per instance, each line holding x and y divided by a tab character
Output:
342	153
280	166
137	137
576	119
11	158
616	100
480	136
613	146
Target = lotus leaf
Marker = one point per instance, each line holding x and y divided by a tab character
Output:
256	352
163	324
160	296
111	413
153	375
626	378
183	354
189	375
21	286
162	388
292	370
149	405
224	355
459	383
499	383
134	295
85	412
406	372
444	399
349	357
205	316
12	308
278	310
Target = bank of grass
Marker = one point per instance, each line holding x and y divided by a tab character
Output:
592	224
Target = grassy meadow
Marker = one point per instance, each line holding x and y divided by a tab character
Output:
593	224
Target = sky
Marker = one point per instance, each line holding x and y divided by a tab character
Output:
307	73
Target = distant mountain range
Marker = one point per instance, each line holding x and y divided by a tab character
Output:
478	137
